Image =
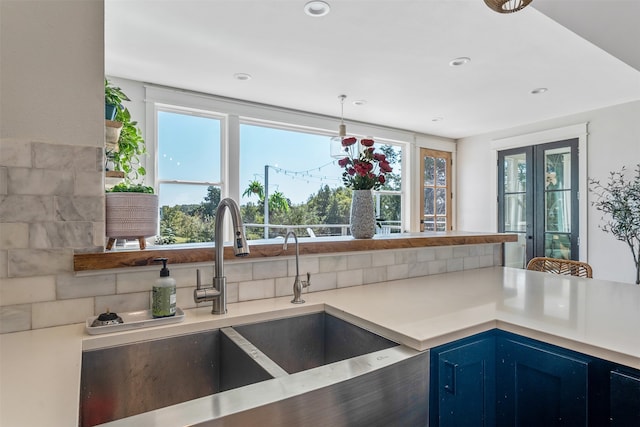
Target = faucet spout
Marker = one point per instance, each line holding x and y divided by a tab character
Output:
218	294
298	284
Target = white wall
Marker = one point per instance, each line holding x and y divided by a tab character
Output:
52	58
613	142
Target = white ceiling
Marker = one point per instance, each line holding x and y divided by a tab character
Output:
392	53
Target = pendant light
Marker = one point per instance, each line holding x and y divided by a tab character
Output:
336	142
507	6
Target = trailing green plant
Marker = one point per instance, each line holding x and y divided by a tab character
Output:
619	199
131	145
125	187
113	95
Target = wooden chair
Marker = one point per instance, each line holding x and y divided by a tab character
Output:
560	266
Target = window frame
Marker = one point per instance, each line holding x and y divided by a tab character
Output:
235	112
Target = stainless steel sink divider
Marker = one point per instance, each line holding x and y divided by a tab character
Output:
252	351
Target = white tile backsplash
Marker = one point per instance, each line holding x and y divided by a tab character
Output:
355	261
323	282
69	286
27	290
269	269
61	312
332	263
256	289
350	278
15	318
122	303
14	235
375	274
306	265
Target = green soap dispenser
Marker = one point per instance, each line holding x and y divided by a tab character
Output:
163	298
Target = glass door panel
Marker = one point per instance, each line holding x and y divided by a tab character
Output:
436	191
515	214
558	193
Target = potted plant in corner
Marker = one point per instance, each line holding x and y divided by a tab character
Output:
131	207
619	199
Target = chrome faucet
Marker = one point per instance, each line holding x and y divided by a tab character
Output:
218	293
298	284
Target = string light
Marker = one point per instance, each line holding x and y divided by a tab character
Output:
307	175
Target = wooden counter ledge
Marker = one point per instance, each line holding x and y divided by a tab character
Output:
269	248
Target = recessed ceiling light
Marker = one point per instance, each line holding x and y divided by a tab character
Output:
242	76
539	90
317	8
459	61
359	102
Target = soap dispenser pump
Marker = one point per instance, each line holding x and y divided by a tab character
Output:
163	298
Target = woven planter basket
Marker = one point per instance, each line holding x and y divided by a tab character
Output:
131	215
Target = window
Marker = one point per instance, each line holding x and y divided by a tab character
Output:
293	170
189	174
208	148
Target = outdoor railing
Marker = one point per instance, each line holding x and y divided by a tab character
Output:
315	230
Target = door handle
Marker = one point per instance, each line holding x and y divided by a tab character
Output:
450	374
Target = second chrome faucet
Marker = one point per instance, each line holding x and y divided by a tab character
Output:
298	284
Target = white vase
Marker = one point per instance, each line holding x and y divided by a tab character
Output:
363	218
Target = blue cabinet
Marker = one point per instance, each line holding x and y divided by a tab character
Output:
464	372
540	385
624	397
501	379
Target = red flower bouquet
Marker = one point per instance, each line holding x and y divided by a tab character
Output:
364	169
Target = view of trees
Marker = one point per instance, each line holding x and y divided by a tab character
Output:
195	222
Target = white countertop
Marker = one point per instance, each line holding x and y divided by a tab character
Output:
40	370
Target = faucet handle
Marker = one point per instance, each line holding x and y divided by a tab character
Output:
308	282
198	282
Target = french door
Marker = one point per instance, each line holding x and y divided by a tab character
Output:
435	192
538	198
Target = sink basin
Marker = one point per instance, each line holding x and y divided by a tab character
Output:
308	341
118	382
313	369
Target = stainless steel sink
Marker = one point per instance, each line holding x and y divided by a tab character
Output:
311	340
312	370
121	381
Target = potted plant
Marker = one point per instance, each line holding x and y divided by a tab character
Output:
620	200
131	207
113	98
131	213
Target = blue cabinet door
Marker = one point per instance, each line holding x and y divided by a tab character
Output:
540	385
625	398
463	379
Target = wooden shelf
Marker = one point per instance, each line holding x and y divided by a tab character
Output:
267	248
114	174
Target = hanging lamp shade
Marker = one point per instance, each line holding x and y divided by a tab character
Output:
507	6
335	144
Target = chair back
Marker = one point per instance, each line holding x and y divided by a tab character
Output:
560	266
